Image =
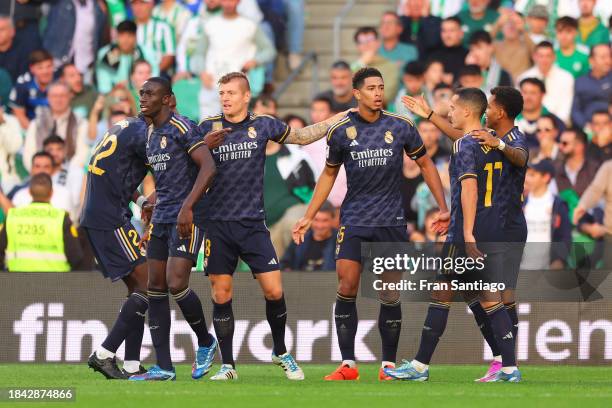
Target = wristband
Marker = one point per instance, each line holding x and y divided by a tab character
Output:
141	200
501	146
430	114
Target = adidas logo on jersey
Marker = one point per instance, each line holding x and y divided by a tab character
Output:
272	262
182	248
354	143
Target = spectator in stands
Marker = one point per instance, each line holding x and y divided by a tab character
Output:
413	84
13	58
391	48
572	57
296	121
64	173
599	190
341	93
481	54
549	231
154	34
427	234
295	31
452	53
434	75
593	91
56	250
441	97
559	83
265	105
230	42
537	21
26	20
316	253
174	14
368	45
513	51
478	16
600	148
445	8
592	31
42	163
119	102
288	185
83	96
320	110
470	76
534	92
420	28
30	91
57	119
431	136
74	33
115	60
574	172
547	134
141	71
10	143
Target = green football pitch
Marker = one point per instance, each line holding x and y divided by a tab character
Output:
266	386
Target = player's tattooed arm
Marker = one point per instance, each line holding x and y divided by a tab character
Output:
312	133
203	159
420	107
469	199
433	181
321	192
518	157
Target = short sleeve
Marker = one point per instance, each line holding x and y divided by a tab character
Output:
334	156
19	96
194	138
277	130
517	141
413	144
465	161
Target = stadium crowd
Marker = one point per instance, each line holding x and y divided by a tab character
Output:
71	68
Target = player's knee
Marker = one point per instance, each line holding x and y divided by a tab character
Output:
273	293
348	289
222	294
176	287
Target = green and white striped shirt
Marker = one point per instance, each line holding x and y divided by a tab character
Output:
177	17
158	36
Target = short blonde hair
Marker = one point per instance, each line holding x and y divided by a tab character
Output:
235	75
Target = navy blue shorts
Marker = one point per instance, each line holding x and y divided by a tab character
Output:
489	269
226	241
116	250
349	239
164	242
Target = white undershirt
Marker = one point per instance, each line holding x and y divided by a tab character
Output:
538	214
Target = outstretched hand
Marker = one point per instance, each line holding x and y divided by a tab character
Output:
441	222
300	229
417	105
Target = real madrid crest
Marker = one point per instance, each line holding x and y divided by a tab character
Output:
217	125
388	137
351	132
123	124
251	132
163	142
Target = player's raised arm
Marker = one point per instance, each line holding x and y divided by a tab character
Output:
321	192
419	107
432	178
517	156
312	133
203	159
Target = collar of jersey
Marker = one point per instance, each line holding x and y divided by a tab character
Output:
172	115
237	124
357	117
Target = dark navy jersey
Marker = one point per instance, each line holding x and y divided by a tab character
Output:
471	160
236	192
116	169
28	95
511	194
373	156
168	155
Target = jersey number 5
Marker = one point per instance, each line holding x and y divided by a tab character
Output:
100	153
490	168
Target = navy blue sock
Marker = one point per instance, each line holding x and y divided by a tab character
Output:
191	307
389	327
484	324
511	308
433	328
133	341
159	325
502	327
223	321
276	313
346	320
131	315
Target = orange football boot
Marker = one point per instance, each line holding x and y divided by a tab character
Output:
343	372
381	373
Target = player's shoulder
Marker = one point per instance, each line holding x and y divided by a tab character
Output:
181	123
128	127
264	119
463	144
344	126
208	122
394	117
